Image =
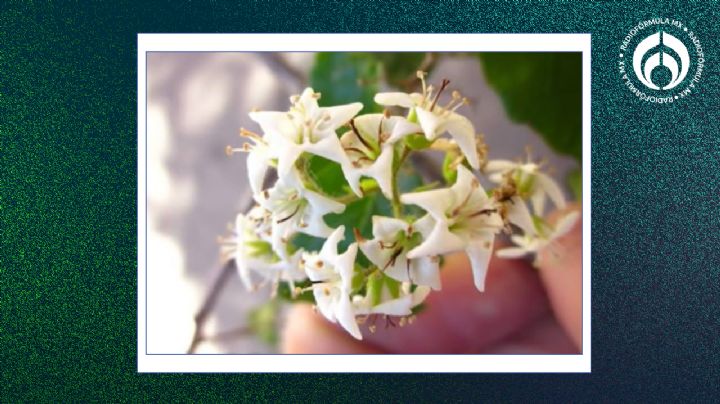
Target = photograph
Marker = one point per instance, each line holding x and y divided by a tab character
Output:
364	202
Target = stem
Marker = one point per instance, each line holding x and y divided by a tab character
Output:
396	205
209	303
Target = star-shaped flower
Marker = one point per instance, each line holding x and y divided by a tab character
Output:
393	240
544	236
296	209
465	219
436	119
307	128
531	183
253	253
391	306
331	274
369	149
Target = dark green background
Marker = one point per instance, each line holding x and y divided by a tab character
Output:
68	205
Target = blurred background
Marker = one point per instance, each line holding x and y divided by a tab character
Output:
198	101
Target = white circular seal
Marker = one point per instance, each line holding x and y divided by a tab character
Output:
661	61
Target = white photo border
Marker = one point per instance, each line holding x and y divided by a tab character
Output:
231	363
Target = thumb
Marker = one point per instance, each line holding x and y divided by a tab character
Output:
560	267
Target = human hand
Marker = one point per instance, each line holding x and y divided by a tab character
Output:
524	310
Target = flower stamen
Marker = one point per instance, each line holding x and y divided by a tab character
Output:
443	86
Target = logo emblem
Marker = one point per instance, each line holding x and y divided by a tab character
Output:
661	60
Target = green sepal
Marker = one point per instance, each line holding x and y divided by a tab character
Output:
417	141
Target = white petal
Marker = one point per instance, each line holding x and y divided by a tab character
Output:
341	114
276	124
426	271
440	241
328	252
537	199
479	255
512	252
394	98
519	215
345	265
552	189
464	180
399	270
497	177
321	205
386	228
429	122
419	295
435	202
287	156
500	165
424	225
462	130
565	224
346	316
308	102
244	271
401	128
381	171
378	256
395	307
257	166
324	301
317	269
328	147
368	125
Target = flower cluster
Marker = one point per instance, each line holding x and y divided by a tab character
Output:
352	277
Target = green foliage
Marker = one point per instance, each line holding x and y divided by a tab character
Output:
327	175
543	90
345	77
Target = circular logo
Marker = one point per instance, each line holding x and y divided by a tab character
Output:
661	61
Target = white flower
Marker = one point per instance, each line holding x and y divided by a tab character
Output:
259	158
253	253
305	128
331	274
529	181
393	239
436	119
465	219
398	306
296	209
369	149
546	235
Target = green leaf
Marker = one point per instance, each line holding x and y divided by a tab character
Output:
574	181
345	77
357	214
543	90
262	321
327	175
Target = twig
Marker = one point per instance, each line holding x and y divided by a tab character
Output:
217	287
209	303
